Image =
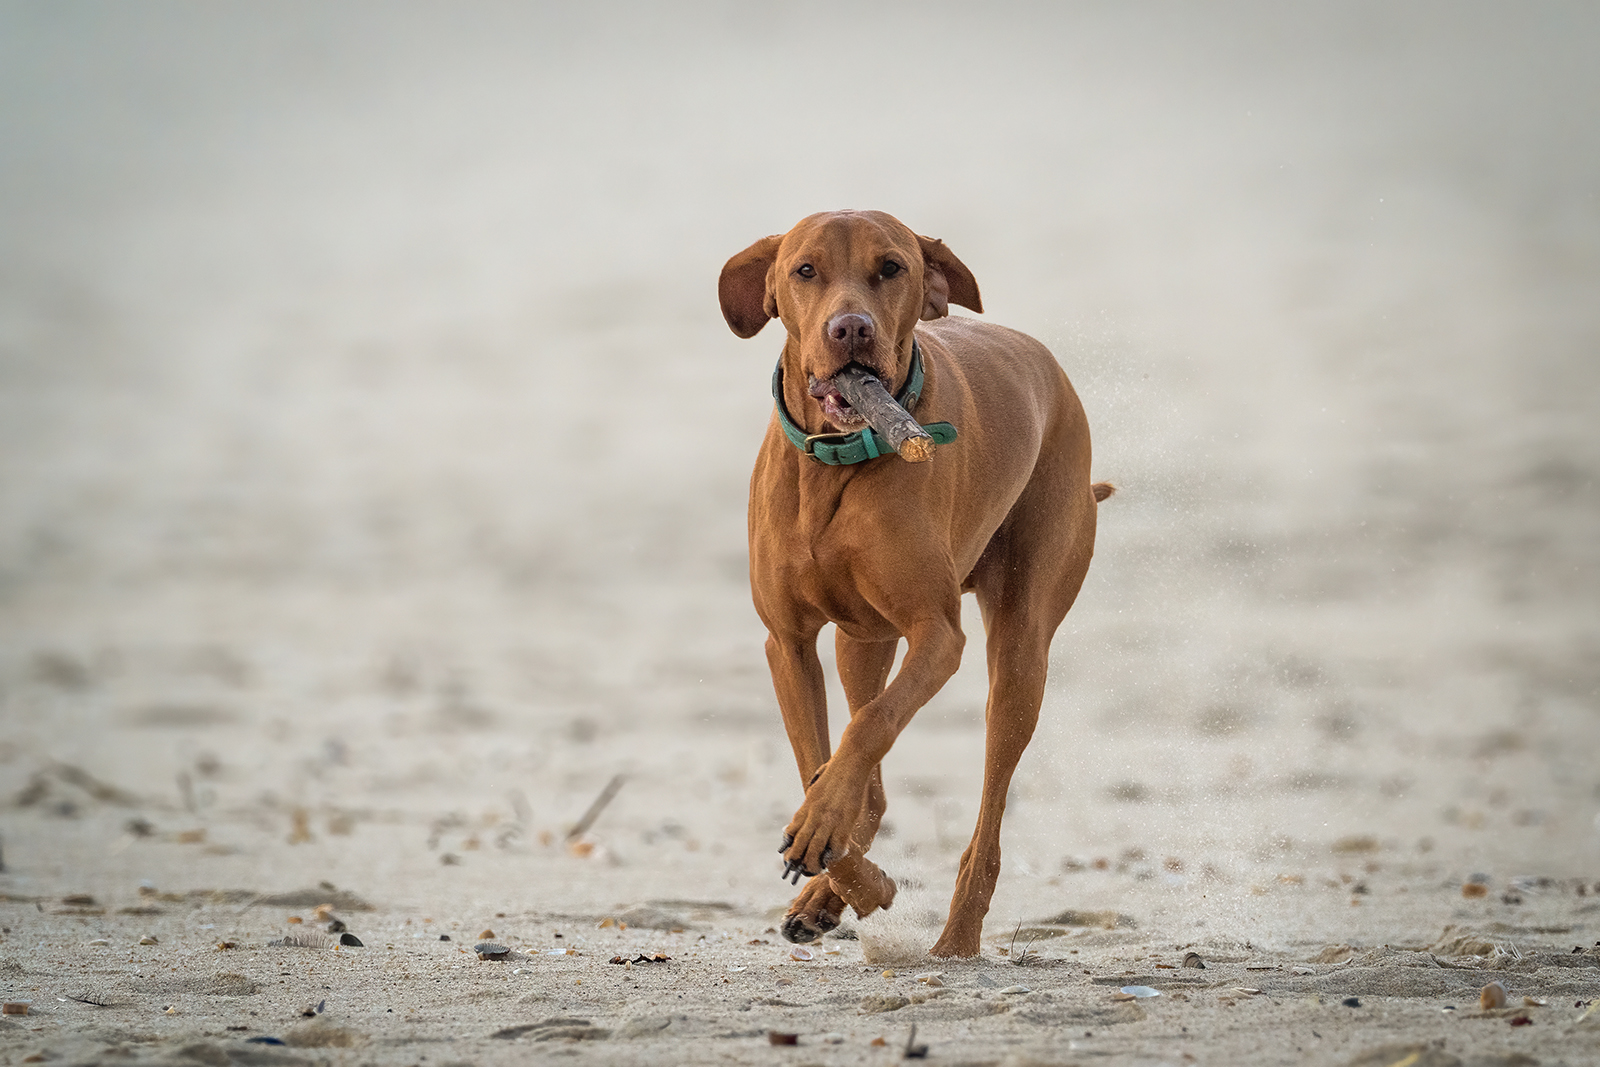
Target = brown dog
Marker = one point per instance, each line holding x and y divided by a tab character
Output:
883	549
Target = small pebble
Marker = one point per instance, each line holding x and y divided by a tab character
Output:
1351	1002
15	1007
833	1039
891	973
1474	889
775	1038
294	919
1011	990
351	940
486	935
148	940
1492	996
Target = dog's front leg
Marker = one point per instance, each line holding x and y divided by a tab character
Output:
836	799
802	698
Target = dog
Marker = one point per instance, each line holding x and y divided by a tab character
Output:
884	549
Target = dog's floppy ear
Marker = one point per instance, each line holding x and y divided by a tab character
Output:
945	281
747	300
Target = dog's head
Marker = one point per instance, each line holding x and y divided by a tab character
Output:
849	286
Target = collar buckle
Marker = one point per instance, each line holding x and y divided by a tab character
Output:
836	437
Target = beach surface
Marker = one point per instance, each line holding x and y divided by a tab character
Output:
329	607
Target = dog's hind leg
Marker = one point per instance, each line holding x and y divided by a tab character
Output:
1025	583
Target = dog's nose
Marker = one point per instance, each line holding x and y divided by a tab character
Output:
851	329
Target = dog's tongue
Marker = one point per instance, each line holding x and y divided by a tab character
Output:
824	389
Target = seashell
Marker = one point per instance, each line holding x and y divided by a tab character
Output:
1011	990
305	939
1492	996
802	954
1192	959
148	939
891	973
488	950
1140	991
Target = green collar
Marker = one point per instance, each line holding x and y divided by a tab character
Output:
843	449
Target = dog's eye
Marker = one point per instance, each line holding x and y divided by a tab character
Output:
890	268
806	270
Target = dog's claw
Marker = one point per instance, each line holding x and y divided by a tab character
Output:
788	839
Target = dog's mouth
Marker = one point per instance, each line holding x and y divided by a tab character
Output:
834	406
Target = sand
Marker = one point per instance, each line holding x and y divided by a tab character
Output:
319	585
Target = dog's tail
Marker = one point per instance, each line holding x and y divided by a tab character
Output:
1101	490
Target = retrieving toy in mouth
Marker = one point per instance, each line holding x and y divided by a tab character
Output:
867	395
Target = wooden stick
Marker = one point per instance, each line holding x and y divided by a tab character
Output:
596	808
891	421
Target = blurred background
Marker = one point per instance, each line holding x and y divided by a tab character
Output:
373	452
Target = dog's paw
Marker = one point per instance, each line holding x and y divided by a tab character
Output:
957	944
802	929
814	912
819	833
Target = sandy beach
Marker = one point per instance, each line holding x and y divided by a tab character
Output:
329	606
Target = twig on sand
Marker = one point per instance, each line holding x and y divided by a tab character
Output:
606	796
1028	955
